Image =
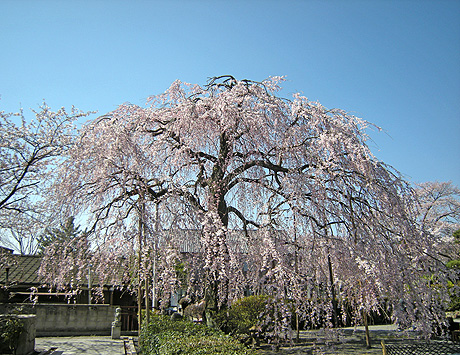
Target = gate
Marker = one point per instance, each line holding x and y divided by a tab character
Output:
129	321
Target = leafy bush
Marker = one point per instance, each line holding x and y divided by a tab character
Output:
10	330
164	336
243	315
253	318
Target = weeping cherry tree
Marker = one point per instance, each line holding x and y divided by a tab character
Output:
285	194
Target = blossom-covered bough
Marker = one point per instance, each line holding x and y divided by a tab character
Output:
287	197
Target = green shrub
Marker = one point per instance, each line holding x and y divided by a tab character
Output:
254	318
10	330
243	315
164	336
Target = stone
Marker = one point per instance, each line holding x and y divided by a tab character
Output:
116	332
116	324
176	316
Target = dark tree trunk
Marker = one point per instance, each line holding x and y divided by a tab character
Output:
217	192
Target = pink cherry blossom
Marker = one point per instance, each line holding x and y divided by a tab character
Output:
277	196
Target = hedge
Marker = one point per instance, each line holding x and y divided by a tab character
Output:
164	336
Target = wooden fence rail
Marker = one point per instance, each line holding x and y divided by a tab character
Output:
426	348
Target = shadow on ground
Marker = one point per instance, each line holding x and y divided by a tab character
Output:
81	345
342	342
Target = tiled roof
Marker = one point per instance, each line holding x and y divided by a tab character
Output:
23	269
189	240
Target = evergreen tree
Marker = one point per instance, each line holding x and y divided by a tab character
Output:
65	232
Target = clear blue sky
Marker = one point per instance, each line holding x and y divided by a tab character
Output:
394	63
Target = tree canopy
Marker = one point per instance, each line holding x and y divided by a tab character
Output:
319	221
29	151
439	208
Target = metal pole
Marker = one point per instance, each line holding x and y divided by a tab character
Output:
89	284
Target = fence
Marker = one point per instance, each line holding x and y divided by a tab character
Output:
426	348
129	322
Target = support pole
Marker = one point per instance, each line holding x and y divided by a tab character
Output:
296	269
366	326
147	273
139	286
147	308
155	241
89	284
334	300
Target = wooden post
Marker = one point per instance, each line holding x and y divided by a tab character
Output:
147	308
89	284
366	326
297	336
139	272
296	269
146	274
384	349
155	241
334	300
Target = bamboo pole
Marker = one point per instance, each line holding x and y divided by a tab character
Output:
155	241
384	349
89	284
147	308
146	274
139	286
366	326
333	295
296	269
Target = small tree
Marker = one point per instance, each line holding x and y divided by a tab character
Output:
439	217
29	151
439	208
